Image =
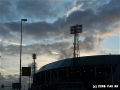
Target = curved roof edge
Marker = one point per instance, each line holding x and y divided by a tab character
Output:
86	60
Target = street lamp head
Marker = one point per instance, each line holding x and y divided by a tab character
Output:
23	19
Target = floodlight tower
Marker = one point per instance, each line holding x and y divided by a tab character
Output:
75	30
34	57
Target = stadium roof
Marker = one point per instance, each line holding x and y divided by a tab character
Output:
83	61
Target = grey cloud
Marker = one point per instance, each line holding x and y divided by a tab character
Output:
92	4
92	22
3	8
36	9
39	49
7	80
106	16
46	48
2	48
64	49
7	10
41	9
64	54
12	49
26	6
13	26
41	29
110	11
38	30
3	31
7	30
102	52
88	43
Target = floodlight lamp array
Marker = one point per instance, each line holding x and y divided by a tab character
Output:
79	28
76	29
72	29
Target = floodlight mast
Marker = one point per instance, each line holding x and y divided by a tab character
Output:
75	30
34	57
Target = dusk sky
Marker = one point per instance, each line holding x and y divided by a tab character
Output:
47	31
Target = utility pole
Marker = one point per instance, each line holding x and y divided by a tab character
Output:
75	30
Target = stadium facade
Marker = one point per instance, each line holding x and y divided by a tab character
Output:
91	72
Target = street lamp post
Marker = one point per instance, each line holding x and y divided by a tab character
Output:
21	51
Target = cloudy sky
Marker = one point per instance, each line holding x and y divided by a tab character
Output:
47	31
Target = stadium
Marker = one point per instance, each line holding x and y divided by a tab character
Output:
89	72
